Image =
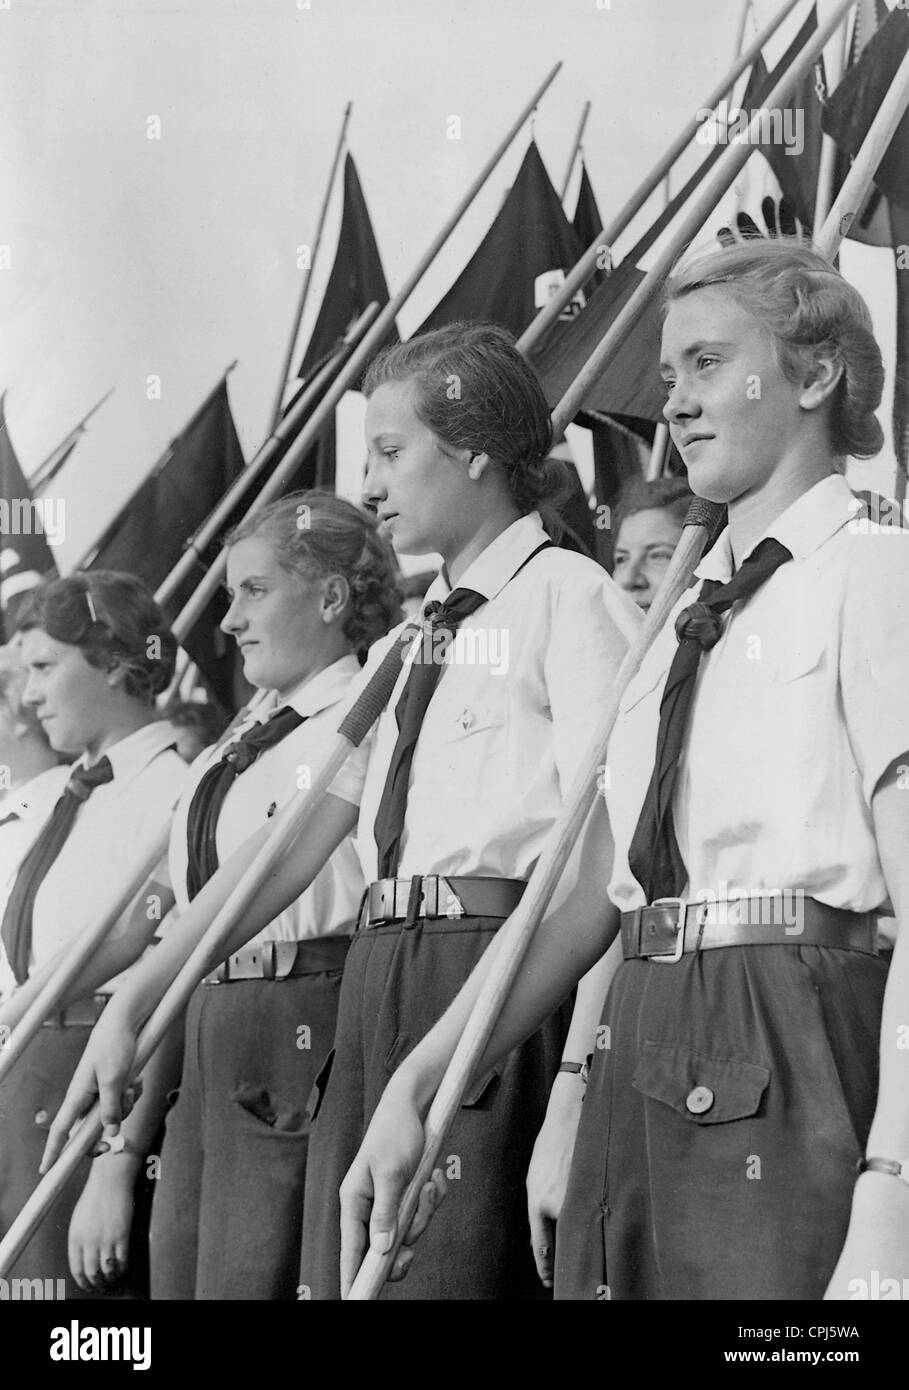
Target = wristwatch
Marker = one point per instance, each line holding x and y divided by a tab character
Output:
581	1069
895	1167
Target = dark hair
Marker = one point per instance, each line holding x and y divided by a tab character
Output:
316	533
474	390
808	308
663	494
113	619
206	719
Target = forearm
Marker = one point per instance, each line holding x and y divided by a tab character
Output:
889	1134
584	1036
141	1127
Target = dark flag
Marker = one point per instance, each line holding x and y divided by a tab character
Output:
25	555
848	117
794	152
630	384
857	100
587	223
871	225
356	279
531	237
148	535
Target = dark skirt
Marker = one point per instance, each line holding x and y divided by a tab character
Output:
716	1152
227	1214
397	984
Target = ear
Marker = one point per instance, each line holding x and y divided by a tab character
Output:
335	598
820	380
477	465
116	673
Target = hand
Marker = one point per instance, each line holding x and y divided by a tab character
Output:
779	220
547	1176
105	1071
375	1182
101	1223
877	1242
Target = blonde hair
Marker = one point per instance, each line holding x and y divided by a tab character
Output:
808	309
315	534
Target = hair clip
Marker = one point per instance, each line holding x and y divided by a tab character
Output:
91	606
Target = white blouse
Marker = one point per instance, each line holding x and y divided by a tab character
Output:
799	710
111	831
329	906
511	714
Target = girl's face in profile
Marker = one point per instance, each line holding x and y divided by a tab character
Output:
274	616
71	697
419	491
732	413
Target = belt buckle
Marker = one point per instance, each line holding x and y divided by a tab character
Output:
269	963
676	955
430	898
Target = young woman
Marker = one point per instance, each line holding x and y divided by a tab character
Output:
97	651
454	811
312	585
648	523
740	1083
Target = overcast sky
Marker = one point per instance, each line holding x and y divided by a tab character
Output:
132	256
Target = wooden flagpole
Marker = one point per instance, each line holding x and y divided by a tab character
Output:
585	267
855	187
689	224
263	456
90	555
836	66
53	462
307	274
574	150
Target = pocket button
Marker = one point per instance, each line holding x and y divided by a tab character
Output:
699	1101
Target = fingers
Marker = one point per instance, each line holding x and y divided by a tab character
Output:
432	1195
542	1239
380	1214
356	1201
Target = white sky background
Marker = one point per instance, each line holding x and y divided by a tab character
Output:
132	256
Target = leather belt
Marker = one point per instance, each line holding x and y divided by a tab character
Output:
672	927
282	960
433	895
83	1013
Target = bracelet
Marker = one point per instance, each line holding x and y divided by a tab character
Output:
892	1166
581	1069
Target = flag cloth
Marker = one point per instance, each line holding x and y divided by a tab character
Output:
871	224
794	152
630	384
356	279
148	535
587	224
879	44
318	467
25	555
857	100
530	238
